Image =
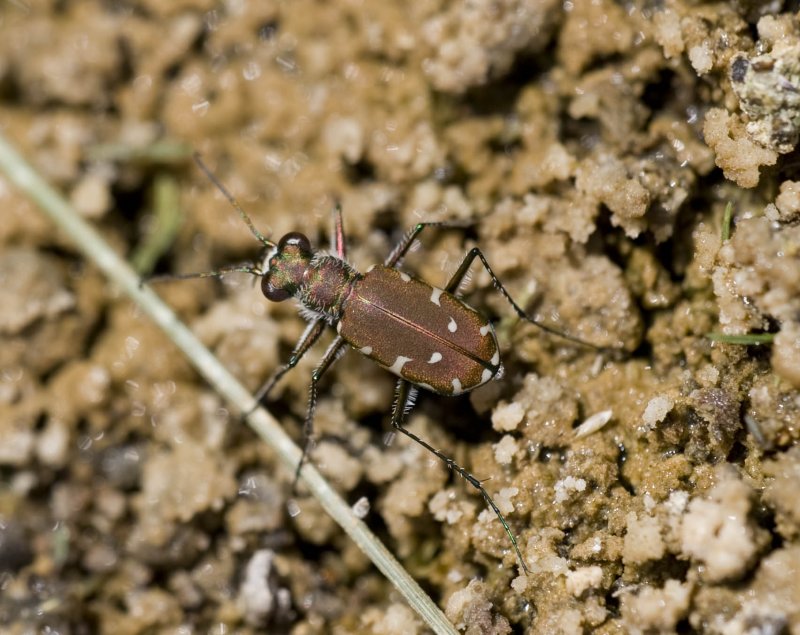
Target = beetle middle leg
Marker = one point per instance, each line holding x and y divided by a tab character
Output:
461	272
402	406
401	248
331	355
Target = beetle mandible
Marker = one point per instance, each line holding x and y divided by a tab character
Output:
425	335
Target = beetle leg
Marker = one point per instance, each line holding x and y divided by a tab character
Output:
338	242
331	355
458	276
401	409
401	248
307	340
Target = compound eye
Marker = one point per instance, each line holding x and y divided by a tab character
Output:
272	292
294	241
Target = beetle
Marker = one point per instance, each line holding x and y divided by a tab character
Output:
425	335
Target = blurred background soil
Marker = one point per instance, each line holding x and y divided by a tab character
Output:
594	146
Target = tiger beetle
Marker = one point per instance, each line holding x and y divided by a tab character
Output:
425	335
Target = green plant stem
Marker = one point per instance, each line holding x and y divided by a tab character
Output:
89	241
726	222
166	223
747	338
156	152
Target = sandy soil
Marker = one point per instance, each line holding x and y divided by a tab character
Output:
593	145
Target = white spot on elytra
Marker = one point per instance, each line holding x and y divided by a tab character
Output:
397	367
367	350
436	357
486	375
435	293
370	268
457	389
426	387
495	358
485	329
452	326
338	327
404	276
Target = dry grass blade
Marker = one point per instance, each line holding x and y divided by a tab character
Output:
97	250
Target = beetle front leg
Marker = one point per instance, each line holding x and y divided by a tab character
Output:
461	272
402	405
307	340
331	355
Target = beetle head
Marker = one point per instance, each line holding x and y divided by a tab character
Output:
287	267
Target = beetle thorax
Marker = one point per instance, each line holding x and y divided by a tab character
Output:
327	283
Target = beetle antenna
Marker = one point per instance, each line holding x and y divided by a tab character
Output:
217	273
211	177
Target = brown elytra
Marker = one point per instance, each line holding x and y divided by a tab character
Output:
420	333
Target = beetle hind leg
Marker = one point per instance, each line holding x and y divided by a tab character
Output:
402	406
